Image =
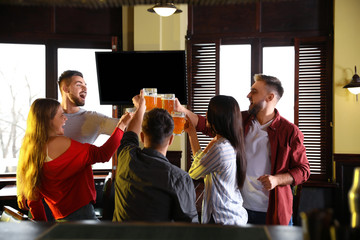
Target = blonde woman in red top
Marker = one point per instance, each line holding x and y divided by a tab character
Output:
58	169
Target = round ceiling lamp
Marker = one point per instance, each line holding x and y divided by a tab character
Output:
164	9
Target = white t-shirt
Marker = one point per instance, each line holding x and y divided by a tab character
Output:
85	126
257	149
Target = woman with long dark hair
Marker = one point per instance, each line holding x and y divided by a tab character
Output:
222	163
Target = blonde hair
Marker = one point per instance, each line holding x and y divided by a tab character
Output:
32	151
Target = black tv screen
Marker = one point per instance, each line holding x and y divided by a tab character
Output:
121	75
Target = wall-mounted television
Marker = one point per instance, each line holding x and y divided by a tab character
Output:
121	75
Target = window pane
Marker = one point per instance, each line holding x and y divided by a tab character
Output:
22	76
235	72
83	60
279	62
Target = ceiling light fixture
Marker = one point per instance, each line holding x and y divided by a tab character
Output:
164	9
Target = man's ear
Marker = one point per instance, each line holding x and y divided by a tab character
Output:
171	139
65	88
270	97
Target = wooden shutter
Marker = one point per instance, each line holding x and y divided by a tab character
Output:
203	72
313	103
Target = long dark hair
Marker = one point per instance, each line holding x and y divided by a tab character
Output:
225	119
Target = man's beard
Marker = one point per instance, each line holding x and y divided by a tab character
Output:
79	102
255	108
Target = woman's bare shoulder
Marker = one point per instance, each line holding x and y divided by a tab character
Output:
58	145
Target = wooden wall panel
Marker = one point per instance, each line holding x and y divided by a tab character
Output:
25	19
59	23
81	21
224	19
305	15
262	19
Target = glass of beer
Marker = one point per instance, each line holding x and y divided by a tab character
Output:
179	122
168	102
159	100
150	95
130	109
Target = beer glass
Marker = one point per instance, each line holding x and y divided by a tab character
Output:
354	199
130	109
179	122
168	102
150	98
159	100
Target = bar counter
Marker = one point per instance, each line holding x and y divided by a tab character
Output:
140	230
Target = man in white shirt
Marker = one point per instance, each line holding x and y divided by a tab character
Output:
275	153
82	125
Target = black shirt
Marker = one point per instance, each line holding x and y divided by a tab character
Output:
149	188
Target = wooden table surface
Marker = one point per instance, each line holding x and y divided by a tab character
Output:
109	230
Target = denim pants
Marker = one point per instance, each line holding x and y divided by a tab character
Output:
86	212
255	217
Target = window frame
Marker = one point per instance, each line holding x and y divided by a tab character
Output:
194	52
51	76
322	66
256	67
60	27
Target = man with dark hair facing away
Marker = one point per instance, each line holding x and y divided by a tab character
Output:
147	186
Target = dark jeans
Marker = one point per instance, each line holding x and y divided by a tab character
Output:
211	221
259	218
86	212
